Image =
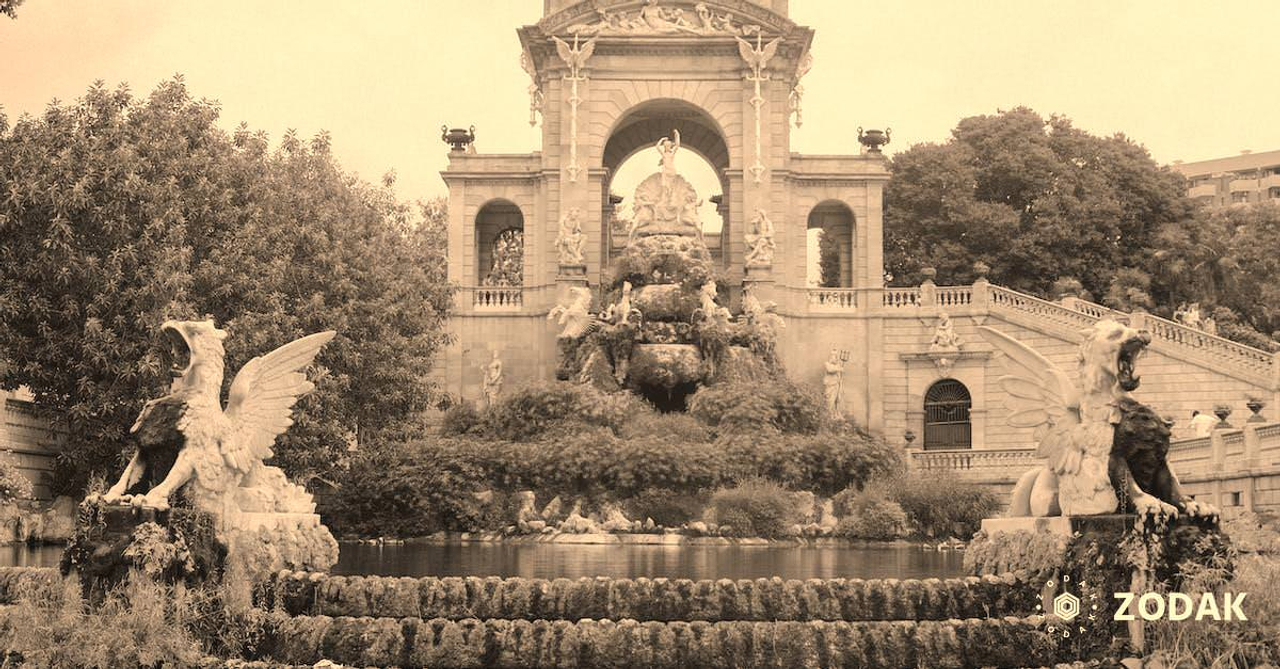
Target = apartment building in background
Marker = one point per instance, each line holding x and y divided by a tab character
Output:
1243	179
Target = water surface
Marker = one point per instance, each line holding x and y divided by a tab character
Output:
632	561
614	561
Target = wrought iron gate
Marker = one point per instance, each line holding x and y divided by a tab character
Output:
946	416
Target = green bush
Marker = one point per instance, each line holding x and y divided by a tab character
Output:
460	419
13	484
870	516
824	463
668	508
940	506
755	508
744	406
529	413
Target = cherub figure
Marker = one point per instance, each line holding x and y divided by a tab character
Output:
944	336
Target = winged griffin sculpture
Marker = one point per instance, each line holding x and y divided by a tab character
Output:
1106	451
188	441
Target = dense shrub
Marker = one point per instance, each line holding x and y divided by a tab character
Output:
755	508
824	463
670	426
13	484
405	490
460	419
871	516
668	508
743	406
940	506
530	412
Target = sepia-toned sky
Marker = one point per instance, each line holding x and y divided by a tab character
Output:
1191	80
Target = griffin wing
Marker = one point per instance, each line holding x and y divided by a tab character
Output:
1039	395
262	398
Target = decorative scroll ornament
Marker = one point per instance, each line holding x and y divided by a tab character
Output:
576	58
653	19
757	59
759	238
797	90
535	91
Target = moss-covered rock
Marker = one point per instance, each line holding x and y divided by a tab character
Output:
664	365
665	302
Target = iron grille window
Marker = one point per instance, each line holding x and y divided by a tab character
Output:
946	416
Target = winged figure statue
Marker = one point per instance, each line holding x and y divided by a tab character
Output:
575	56
188	441
1105	451
757	57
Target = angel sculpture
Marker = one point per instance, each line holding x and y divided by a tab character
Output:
1094	435
217	455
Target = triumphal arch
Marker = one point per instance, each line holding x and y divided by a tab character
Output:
608	80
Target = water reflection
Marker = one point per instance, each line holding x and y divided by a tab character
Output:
695	562
22	555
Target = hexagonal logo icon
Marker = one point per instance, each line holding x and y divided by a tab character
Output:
1066	606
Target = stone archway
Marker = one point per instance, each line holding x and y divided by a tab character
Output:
638	130
947	425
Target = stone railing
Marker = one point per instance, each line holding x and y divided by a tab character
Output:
901	297
1219	349
1225	463
953	296
994	465
833	299
497	298
1012	300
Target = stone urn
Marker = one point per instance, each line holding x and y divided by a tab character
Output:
1256	406
981	269
458	139
873	139
1222	411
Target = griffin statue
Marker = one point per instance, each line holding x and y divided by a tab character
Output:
1106	451
187	441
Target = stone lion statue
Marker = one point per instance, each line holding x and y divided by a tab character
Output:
187	440
1106	451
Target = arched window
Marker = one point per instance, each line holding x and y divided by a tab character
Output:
499	231
830	246
946	416
506	266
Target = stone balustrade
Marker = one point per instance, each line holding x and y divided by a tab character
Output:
497	298
833	299
995	465
901	297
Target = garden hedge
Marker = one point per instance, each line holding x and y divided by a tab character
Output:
645	599
13	580
993	642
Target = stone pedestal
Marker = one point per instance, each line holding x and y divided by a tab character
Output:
759	281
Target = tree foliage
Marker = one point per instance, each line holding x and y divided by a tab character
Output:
828	259
119	213
1037	200
1055	210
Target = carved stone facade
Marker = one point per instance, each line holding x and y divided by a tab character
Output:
721	78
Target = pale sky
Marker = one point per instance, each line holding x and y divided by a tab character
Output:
1189	80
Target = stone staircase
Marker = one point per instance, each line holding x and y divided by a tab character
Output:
984	621
1168	337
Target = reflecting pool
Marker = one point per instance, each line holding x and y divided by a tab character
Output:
632	561
614	561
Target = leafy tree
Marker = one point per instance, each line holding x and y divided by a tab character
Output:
121	213
1225	259
828	259
1035	199
10	8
